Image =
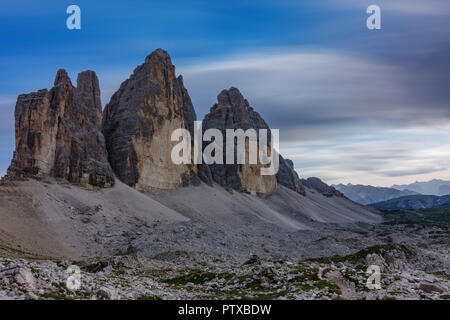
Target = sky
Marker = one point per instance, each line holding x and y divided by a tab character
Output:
352	104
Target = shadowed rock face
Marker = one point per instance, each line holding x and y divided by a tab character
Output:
288	177
58	133
138	123
232	111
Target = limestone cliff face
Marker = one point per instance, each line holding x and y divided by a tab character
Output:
232	111
58	133
138	123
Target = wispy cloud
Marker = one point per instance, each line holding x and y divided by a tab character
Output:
410	172
311	95
403	155
342	117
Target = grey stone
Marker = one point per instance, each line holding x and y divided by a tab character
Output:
106	293
429	287
20	275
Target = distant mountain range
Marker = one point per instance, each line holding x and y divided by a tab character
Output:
413	202
368	194
435	187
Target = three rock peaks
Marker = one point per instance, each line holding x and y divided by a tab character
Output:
63	133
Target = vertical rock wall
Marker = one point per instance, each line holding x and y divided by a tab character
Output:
58	133
138	123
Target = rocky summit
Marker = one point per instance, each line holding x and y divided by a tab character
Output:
138	123
58	133
232	111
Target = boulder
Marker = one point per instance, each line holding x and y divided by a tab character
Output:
430	287
105	293
20	275
377	260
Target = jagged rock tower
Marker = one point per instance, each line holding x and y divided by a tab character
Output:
232	111
58	133
138	123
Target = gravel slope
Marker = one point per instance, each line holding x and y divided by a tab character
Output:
49	218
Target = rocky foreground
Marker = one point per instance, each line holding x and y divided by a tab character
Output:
413	260
181	275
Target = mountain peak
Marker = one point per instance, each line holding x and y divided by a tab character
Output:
158	54
231	97
62	78
232	111
89	89
139	120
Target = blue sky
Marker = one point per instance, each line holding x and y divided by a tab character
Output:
352	105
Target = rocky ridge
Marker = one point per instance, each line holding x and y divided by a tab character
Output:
368	194
321	187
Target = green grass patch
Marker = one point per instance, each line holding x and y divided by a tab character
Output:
433	217
361	255
441	274
196	277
